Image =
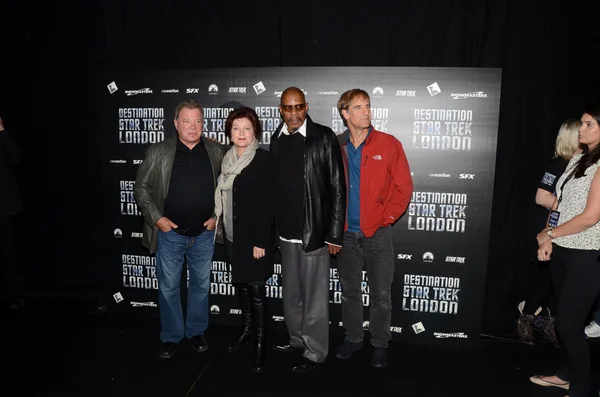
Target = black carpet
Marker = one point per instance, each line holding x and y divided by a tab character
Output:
63	347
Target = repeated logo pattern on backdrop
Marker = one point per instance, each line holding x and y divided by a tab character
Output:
447	121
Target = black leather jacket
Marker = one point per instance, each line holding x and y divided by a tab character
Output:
324	186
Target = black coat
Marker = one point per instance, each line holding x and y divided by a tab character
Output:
10	199
324	186
253	219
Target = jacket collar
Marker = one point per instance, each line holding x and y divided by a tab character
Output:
344	137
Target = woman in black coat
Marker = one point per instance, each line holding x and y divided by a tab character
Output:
244	203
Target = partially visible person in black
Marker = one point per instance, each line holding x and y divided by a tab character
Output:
245	204
11	207
540	295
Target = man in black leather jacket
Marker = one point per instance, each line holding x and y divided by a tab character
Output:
311	208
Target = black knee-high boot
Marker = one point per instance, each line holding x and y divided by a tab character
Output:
242	290
259	324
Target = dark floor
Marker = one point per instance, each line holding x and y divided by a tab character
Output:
57	348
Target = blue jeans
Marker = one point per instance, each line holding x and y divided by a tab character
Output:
376	254
172	249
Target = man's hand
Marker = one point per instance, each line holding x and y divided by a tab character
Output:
1	124
165	224
210	224
258	252
334	249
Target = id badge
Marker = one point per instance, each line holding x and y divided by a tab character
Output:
553	220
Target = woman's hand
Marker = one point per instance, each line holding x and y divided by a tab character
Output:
542	237
544	251
258	252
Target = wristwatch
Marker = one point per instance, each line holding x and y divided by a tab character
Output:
550	233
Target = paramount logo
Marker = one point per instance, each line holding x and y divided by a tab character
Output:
442	335
478	94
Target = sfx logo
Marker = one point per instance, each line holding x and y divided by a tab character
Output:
466	176
192	90
405	257
136	161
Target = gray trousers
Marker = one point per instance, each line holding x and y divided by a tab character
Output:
376	253
306	298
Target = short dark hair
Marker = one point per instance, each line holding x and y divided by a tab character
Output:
244	113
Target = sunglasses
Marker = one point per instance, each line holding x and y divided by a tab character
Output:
288	108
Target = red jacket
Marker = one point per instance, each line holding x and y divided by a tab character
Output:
385	182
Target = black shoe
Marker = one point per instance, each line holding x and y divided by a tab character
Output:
259	324
285	348
379	359
346	349
259	364
304	365
199	343
167	349
246	333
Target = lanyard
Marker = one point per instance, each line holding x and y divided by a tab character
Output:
567	179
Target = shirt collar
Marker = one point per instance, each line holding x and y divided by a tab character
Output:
301	130
363	142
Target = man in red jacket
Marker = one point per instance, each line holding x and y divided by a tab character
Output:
379	190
